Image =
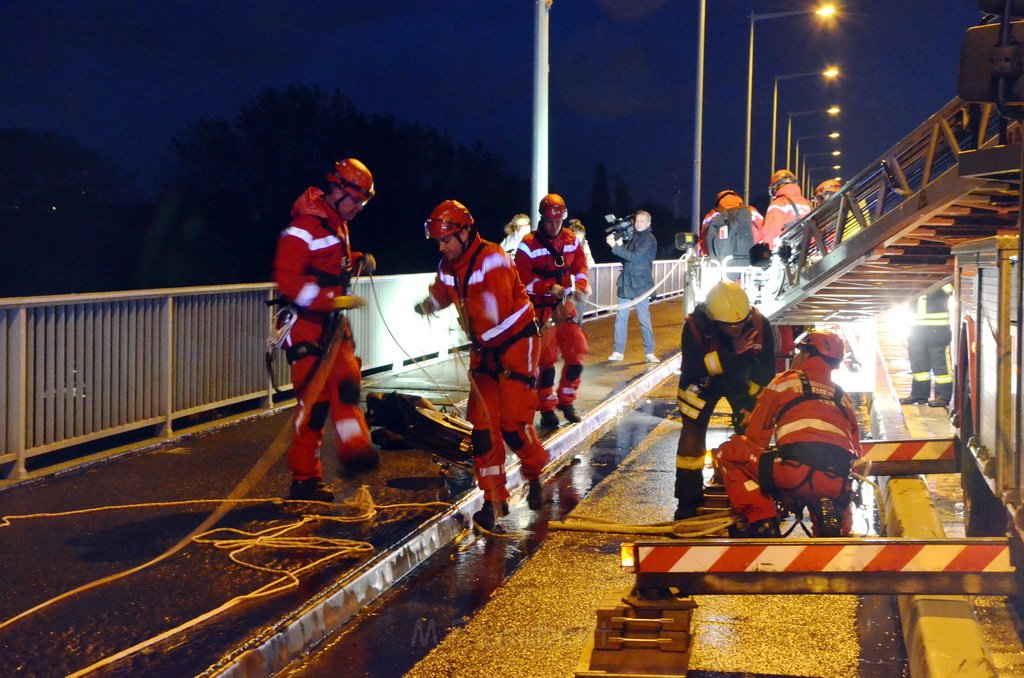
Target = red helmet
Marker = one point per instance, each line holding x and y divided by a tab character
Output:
779	179
354	178
826	344
552	207
449	217
826	188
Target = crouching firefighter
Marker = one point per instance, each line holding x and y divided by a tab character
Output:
817	445
477	277
313	267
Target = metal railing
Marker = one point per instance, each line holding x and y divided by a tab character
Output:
85	367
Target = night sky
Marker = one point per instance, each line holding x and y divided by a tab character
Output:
123	78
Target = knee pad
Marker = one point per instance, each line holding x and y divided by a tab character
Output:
348	392
481	441
572	372
317	416
513	439
547	377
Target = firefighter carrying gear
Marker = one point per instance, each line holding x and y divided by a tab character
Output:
313	266
787	205
499	320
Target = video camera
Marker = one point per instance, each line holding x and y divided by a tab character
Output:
623	228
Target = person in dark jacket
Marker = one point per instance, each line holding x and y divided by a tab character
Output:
728	352
636	284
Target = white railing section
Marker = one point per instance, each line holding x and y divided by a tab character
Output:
84	367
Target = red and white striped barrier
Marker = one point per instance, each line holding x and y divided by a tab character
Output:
909	450
825	556
910	457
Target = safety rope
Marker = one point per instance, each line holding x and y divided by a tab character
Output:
239	542
712	522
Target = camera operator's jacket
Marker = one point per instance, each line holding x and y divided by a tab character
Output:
637	277
543	263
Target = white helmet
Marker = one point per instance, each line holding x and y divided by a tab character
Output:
727	303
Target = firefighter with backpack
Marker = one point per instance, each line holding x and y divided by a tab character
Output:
729	231
818	446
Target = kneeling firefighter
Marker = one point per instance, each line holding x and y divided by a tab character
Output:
818	443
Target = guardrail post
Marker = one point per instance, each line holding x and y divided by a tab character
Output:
167	365
16	390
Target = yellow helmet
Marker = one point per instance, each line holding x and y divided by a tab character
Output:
727	303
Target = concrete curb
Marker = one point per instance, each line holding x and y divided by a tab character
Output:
941	633
274	648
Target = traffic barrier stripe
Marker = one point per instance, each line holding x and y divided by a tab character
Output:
825	557
910	450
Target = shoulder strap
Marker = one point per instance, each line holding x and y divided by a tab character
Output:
809	394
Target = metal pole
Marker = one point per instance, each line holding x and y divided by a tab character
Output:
750	110
775	115
698	122
539	187
789	137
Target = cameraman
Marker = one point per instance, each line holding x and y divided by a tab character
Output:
636	282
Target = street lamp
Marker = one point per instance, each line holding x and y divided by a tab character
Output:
829	73
810	170
831	110
827	10
796	153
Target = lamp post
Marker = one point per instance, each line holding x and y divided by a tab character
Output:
698	123
831	110
832	172
796	154
829	73
804	172
827	10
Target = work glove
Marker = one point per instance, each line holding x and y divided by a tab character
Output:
425	307
368	265
348	301
557	291
582	288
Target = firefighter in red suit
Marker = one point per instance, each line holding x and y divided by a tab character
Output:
313	267
478	278
817	445
788	205
552	264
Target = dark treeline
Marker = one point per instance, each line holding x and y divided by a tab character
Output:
74	225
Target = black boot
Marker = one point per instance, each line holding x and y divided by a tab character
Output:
311	489
487	518
548	419
569	412
913	400
689	492
535	495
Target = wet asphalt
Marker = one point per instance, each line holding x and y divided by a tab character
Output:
46	556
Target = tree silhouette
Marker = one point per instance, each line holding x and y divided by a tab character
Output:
232	186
